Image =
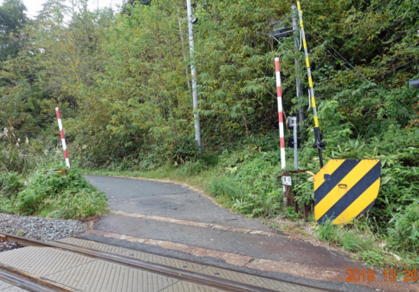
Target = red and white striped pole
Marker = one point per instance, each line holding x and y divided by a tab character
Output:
60	127
280	112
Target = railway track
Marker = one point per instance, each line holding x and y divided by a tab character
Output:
217	283
27	282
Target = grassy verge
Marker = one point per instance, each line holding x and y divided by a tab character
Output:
30	184
49	193
359	240
246	181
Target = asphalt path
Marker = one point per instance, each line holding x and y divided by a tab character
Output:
174	220
165	199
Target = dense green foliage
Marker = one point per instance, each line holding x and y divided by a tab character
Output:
10	184
50	193
404	234
12	20
53	194
29	184
248	180
122	82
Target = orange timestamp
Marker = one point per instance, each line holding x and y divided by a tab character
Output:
355	275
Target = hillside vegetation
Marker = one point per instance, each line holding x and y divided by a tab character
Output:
122	82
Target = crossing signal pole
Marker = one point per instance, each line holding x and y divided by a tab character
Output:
318	143
297	66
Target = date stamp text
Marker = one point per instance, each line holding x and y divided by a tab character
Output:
355	275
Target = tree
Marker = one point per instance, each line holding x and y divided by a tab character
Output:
133	2
12	20
128	4
53	12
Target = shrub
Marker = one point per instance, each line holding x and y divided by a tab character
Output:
291	214
6	205
50	193
192	168
404	233
254	175
82	204
10	184
184	150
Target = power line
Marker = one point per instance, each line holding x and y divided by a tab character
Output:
336	51
339	57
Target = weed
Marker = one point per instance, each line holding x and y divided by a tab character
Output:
372	257
328	232
291	214
404	233
225	187
353	242
20	233
10	184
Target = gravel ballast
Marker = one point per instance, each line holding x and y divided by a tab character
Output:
40	228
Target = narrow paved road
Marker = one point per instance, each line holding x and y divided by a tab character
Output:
174	220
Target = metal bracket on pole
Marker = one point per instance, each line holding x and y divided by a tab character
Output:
292	122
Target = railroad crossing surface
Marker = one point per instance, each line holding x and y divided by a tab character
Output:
161	236
75	264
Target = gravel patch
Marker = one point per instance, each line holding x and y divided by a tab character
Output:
40	228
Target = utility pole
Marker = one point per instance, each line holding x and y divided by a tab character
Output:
193	76
297	65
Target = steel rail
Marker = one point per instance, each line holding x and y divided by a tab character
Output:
181	274
227	285
28	282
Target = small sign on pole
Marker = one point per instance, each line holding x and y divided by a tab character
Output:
62	136
286	181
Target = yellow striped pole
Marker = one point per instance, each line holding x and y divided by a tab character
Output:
317	134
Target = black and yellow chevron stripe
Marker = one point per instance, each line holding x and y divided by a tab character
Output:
345	188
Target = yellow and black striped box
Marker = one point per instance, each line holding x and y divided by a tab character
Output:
345	188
